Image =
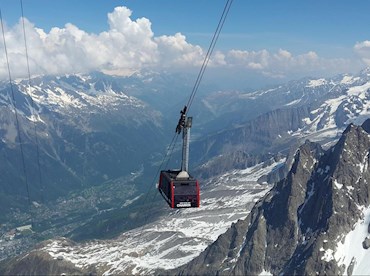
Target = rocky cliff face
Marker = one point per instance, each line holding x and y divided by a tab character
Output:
299	226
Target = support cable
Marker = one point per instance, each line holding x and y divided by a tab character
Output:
16	115
209	53
32	108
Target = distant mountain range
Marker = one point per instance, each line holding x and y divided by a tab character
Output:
87	132
282	117
240	140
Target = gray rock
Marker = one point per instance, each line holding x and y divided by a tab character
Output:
366	243
351	266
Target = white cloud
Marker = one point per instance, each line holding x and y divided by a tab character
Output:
362	49
130	45
127	46
283	63
175	51
283	55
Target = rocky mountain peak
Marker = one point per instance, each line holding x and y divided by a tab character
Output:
269	231
298	226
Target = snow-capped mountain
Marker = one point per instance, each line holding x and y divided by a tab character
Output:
315	221
87	131
77	95
315	109
233	108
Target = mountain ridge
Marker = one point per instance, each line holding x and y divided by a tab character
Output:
300	236
318	110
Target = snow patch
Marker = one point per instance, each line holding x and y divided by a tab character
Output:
265	273
338	185
318	82
350	247
293	102
349	79
359	91
328	255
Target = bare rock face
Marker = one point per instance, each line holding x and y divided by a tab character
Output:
289	230
272	222
39	263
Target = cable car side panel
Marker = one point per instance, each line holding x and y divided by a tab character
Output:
172	195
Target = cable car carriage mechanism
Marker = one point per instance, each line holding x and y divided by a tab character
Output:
178	187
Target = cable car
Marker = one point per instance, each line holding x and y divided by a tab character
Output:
178	187
178	191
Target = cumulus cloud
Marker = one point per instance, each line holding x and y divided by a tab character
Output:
174	50
130	45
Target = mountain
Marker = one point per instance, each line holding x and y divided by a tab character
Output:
171	240
234	108
314	221
88	127
281	117
79	131
76	132
110	119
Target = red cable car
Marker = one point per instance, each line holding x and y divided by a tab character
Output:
179	192
178	187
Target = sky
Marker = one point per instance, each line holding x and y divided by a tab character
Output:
261	41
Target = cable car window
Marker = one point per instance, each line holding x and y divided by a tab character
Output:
188	189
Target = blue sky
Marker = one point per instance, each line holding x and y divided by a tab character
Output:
331	35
